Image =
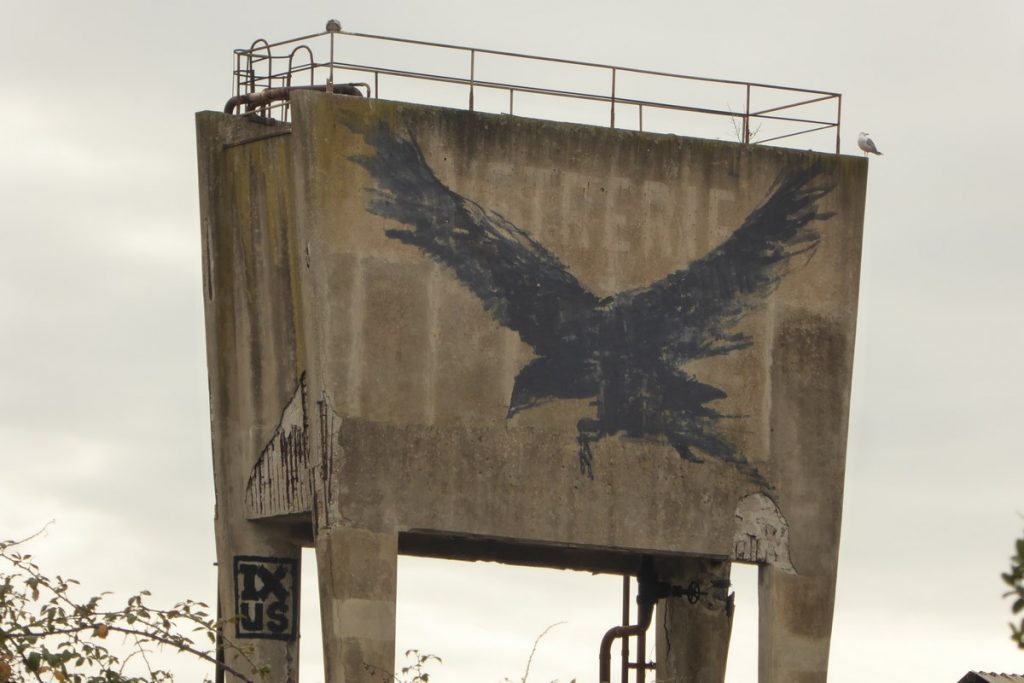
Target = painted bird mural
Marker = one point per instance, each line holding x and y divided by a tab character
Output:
627	352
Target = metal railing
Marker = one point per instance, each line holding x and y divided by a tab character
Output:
265	73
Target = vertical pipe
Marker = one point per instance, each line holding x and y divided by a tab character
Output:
510	92
641	118
472	76
625	622
613	97
218	674
839	116
641	657
376	85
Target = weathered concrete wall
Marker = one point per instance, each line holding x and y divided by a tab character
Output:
253	358
474	329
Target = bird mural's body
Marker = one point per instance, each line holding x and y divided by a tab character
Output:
867	145
626	352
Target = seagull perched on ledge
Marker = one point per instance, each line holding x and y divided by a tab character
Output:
867	144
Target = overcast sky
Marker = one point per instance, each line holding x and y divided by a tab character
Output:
104	413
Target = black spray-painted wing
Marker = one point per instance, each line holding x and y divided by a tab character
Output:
690	312
523	285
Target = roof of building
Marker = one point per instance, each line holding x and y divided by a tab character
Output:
988	677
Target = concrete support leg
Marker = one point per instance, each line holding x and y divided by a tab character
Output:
258	571
693	639
358	585
795	625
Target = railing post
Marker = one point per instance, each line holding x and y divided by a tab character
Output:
613	97
472	76
839	117
641	118
746	119
330	69
510	93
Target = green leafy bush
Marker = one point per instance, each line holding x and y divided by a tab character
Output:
49	634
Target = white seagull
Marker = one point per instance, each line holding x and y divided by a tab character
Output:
867	144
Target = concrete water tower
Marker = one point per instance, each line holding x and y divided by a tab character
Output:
480	335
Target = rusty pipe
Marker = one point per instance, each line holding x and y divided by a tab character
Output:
645	613
648	591
264	97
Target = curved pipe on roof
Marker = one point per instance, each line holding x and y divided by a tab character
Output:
264	97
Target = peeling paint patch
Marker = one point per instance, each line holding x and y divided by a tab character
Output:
762	533
279	483
323	490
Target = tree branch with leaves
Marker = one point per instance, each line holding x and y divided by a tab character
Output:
1015	580
48	634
